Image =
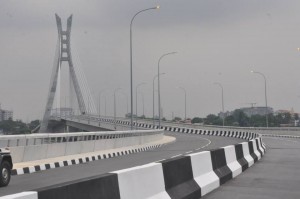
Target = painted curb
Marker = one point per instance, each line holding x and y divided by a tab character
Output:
53	165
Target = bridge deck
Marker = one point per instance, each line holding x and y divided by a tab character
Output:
277	176
185	143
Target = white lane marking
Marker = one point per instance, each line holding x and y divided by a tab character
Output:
209	142
189	152
176	156
160	160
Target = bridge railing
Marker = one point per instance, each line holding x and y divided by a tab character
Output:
40	139
262	130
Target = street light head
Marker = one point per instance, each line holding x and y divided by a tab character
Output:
252	71
298	49
158	6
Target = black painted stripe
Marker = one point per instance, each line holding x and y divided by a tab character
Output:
14	172
220	166
104	186
37	168
26	170
257	145
251	151
240	156
179	180
56	164
47	166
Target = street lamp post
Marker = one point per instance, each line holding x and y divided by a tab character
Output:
223	115
154	98
131	82
184	101
105	106
136	109
143	103
265	79
158	74
126	96
99	108
115	107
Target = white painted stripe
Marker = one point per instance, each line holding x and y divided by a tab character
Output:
61	164
203	172
20	171
146	181
31	169
43	167
176	156
52	165
22	195
247	155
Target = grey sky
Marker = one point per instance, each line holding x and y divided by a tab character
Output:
217	41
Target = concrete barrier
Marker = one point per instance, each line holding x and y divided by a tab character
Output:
41	146
231	160
203	172
247	155
23	195
188	176
144	181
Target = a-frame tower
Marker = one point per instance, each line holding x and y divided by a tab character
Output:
63	54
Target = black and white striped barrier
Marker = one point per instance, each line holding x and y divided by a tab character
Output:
189	176
53	165
282	136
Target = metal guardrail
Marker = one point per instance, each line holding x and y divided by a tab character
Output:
150	121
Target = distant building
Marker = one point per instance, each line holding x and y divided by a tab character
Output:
249	111
285	111
5	115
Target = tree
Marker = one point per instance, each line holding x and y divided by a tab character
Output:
241	118
197	120
212	119
33	124
176	119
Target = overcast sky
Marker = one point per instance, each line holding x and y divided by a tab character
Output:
216	40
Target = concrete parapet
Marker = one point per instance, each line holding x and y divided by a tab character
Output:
41	146
187	176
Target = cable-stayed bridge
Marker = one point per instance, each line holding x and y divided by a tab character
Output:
175	160
78	88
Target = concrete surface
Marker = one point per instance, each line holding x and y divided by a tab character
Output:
276	176
185	144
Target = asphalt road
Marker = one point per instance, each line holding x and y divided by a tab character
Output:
276	176
186	143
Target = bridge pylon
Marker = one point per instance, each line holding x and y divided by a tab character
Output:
63	54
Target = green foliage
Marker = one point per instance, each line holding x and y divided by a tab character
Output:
239	118
17	127
176	119
212	119
197	120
